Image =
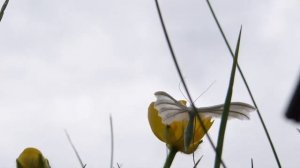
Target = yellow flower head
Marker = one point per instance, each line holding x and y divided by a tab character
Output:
32	158
173	134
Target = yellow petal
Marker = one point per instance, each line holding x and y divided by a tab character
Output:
32	158
169	134
156	123
173	134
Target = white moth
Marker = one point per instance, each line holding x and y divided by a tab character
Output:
169	109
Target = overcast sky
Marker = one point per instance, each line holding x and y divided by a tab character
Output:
68	64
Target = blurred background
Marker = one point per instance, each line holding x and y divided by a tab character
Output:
70	64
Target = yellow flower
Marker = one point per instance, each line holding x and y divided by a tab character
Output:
173	134
32	158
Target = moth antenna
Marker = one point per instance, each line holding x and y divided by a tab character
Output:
205	91
179	87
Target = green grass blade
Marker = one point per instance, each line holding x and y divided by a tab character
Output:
189	133
198	161
3	9
181	76
112	141
247	86
227	106
75	150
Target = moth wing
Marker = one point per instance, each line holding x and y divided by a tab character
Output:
169	109
237	110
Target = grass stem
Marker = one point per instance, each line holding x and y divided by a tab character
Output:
247	86
75	150
170	158
112	142
181	76
3	9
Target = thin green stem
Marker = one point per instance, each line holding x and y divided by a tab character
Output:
75	150
111	142
3	9
247	86
196	164
170	158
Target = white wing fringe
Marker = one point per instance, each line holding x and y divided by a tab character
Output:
170	110
238	110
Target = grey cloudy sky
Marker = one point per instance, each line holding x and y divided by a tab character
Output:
69	64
